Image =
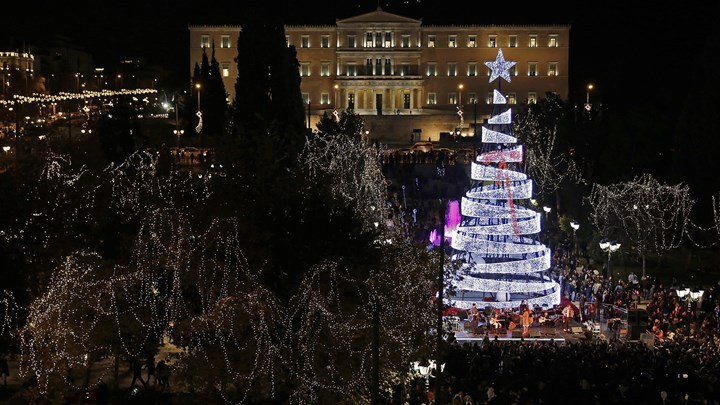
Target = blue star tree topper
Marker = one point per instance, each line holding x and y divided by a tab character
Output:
500	67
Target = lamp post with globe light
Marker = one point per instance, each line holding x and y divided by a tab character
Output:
610	248
689	296
546	226
575	226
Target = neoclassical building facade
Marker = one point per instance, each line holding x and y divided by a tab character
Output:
384	64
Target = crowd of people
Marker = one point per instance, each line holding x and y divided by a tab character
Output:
593	371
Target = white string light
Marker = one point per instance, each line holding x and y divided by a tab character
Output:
651	216
491	136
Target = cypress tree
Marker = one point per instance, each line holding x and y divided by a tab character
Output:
214	98
192	106
269	128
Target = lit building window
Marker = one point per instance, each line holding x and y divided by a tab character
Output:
452	41
532	69
512	41
368	40
351	41
489	98
472	69
492	41
432	69
533	41
552	69
452	98
225	41
304	69
432	98
532	98
553	41
405	41
512	98
472	41
378	39
325	98
225	68
431	41
452	69
388	39
205	41
306	98
325	41
305	41
404	69
513	70
352	70
325	69
472	98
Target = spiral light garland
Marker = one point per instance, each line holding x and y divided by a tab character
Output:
500	260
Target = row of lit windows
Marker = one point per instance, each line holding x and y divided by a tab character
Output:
205	41
472	69
432	69
387	40
452	98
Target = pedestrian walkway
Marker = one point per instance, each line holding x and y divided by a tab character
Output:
101	371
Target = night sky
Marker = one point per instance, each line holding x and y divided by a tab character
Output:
627	49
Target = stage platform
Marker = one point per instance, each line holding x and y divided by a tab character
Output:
541	334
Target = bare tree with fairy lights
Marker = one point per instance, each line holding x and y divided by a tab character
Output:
548	164
652	217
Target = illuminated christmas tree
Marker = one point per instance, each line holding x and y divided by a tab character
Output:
502	262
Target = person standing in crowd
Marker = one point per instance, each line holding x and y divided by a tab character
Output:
4	370
527	319
136	369
568	313
162	372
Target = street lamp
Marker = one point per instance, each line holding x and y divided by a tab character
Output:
460	106
198	128
588	107
575	226
426	371
610	248
690	297
197	86
336	96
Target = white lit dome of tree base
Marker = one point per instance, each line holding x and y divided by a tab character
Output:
496	244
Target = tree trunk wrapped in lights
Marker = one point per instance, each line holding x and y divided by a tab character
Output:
502	264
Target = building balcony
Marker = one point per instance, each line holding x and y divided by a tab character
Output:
389	72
